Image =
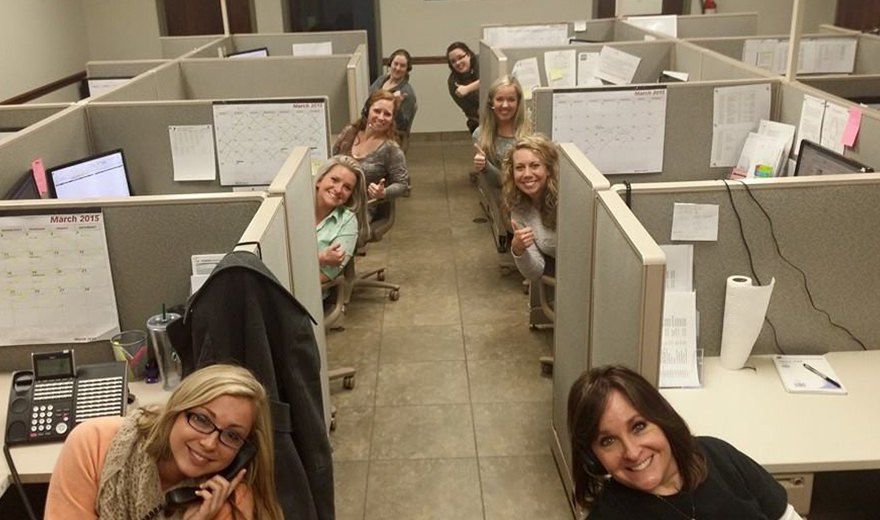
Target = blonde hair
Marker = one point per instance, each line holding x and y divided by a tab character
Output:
357	202
488	124
548	153
201	387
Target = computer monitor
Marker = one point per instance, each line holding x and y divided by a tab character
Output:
818	160
262	52
24	189
101	175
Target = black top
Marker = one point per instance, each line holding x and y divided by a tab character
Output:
469	104
736	488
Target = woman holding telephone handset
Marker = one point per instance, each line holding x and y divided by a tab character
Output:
138	467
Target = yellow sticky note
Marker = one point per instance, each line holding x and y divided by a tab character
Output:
556	75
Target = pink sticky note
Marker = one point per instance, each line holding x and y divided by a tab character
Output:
852	126
40	177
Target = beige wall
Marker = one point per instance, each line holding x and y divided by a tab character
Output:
271	16
121	29
40	41
774	16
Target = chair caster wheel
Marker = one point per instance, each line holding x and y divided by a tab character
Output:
380	276
348	382
394	295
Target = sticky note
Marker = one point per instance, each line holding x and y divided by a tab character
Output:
853	122
556	75
580	25
39	172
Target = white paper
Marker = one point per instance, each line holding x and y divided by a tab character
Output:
588	65
255	53
544	35
312	49
810	125
695	222
98	86
736	112
196	281
616	66
526	72
760	150
760	52
680	76
608	125
792	166
796	378
580	25
560	68
745	306
664	24
828	56
192	152
782	131
678	350
679	267
57	286
833	125
254	139
204	264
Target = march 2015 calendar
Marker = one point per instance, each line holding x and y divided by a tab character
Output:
55	280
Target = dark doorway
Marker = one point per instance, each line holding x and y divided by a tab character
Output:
861	15
191	17
605	8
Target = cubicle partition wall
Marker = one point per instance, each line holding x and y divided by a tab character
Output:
579	181
121	68
14	118
358	79
280	44
721	24
862	88
868	54
177	46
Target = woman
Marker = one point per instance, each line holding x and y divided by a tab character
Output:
397	82
371	140
121	468
530	190
633	456
503	122
464	82
340	212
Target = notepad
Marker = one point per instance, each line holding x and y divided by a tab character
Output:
798	379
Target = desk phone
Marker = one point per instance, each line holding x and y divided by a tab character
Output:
47	402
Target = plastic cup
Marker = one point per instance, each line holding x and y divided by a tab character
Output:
131	346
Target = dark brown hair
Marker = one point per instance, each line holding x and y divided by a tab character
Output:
586	404
463	46
379	95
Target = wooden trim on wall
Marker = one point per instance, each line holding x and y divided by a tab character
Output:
48	88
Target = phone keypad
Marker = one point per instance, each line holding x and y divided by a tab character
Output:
49	420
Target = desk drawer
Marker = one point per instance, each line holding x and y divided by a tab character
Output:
799	487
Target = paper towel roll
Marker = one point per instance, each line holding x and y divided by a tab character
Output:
744	308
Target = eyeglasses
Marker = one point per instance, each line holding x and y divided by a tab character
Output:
202	424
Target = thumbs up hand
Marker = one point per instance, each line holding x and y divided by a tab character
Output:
523	238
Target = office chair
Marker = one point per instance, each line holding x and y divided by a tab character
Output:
383	212
542	313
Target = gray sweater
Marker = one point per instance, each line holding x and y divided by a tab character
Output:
531	263
386	162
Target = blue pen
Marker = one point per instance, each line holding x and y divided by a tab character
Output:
823	376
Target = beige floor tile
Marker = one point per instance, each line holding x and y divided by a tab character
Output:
440	489
508	381
522	488
354	428
424	343
423	432
364	392
501	341
353	346
424	309
505	429
350	489
436	382
365	310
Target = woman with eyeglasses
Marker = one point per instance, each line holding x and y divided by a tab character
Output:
122	467
464	82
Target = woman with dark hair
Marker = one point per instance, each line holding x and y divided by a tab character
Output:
397	82
633	456
530	190
464	82
372	141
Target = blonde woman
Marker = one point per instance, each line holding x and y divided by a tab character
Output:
530	191
340	213
121	468
502	123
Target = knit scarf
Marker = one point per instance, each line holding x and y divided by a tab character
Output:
129	487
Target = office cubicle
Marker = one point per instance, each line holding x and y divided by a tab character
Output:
212	78
14	118
281	44
862	88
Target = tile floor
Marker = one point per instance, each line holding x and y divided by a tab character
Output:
450	415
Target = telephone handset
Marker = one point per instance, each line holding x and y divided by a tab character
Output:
47	402
184	496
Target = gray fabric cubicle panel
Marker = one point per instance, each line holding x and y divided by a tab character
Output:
727	24
493	65
279	44
120	69
272	77
688	58
601	30
141	130
845	86
142	88
57	139
828	231
624	32
868	54
176	46
21	116
728	46
170	83
717	67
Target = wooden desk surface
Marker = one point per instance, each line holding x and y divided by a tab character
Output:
787	432
35	463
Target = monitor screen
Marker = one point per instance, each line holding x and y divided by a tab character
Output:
98	176
24	189
262	52
818	160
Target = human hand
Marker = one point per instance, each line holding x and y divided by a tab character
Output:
332	256
479	158
376	190
461	90
214	492
523	238
400	95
